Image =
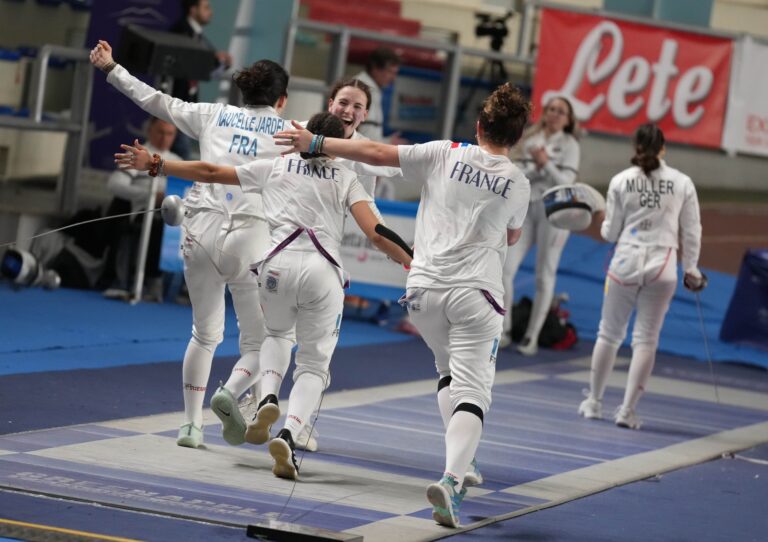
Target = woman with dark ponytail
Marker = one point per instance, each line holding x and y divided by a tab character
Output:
649	207
224	229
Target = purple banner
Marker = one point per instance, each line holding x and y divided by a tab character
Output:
114	118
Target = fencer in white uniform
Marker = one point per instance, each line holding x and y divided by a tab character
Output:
551	157
224	229
473	204
301	279
649	207
350	101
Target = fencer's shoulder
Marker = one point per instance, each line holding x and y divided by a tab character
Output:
668	172
629	173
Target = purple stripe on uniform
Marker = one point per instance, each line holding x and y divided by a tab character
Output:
325	253
284	243
498	308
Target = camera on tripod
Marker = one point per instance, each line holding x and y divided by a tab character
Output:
495	27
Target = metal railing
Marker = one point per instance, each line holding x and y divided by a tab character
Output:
341	36
76	125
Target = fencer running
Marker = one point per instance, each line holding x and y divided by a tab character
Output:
473	205
550	157
301	279
224	229
652	211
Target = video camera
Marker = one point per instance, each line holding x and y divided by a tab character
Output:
23	269
495	27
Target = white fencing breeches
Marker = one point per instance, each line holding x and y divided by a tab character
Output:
550	242
217	253
301	288
462	329
642	277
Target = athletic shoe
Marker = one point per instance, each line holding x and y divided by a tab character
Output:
473	477
307	439
626	417
257	431
225	406
282	450
248	404
527	347
591	408
190	436
445	501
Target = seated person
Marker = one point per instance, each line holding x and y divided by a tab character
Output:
132	191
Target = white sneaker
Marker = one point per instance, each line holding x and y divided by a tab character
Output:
591	408
527	347
307	439
626	417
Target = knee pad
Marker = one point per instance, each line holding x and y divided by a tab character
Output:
472	409
444	382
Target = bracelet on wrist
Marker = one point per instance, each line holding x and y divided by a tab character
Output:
154	166
109	67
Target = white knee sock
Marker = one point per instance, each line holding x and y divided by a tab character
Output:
195	372
640	369
444	404
304	397
274	361
461	440
603	359
244	374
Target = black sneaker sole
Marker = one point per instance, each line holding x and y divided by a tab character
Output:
283	456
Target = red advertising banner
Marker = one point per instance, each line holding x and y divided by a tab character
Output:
620	74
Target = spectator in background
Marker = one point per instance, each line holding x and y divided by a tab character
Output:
551	156
132	193
380	71
195	15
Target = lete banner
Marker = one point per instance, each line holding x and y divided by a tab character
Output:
620	74
746	127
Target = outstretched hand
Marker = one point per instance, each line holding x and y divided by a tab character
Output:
135	157
297	139
101	55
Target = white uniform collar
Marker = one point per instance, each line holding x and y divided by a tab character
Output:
196	28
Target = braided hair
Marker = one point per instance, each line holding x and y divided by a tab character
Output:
648	140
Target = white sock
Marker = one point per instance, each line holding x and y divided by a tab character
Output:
195	372
304	397
643	360
244	374
444	404
603	359
274	360
461	440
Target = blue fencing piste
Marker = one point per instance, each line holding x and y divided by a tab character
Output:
746	320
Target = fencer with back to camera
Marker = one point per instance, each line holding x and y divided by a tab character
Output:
652	212
306	198
224	229
550	157
473	204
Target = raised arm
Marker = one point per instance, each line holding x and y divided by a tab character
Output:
361	212
138	157
371	152
188	117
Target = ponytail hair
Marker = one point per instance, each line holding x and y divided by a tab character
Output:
648	141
